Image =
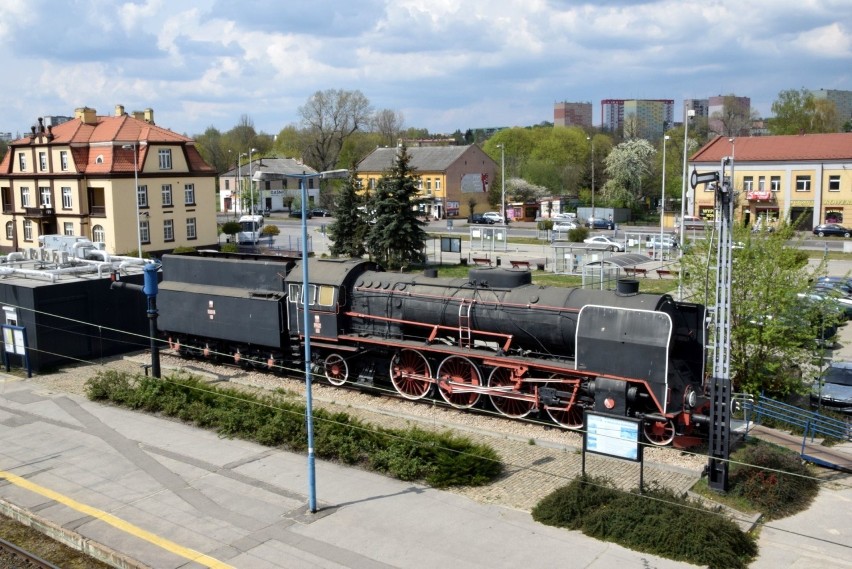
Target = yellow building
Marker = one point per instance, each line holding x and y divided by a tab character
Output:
452	178
78	178
805	179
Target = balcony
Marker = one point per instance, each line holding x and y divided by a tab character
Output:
97	211
42	212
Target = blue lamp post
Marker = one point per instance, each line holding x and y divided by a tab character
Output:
306	322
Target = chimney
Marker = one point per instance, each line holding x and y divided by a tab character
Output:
149	115
86	115
119	110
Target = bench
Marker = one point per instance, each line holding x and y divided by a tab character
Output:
482	261
520	264
636	271
666	273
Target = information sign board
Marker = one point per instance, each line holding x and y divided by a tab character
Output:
613	436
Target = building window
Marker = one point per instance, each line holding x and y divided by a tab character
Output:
748	183
44	196
98	234
761	183
169	230
67	202
834	183
42	161
437	184
803	183
142	196
63	160
28	230
22	162
68	228
227	184
10	230
165	155
268	185
167	195
25	197
190	228
144	233
189	194
775	183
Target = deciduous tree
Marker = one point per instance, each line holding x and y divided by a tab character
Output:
773	331
329	117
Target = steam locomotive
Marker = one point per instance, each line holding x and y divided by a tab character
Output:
492	338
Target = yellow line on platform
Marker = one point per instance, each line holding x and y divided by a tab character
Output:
118	523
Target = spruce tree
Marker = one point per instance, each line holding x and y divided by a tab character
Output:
349	230
397	239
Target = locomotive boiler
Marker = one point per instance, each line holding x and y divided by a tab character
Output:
492	339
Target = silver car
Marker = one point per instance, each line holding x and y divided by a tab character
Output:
834	389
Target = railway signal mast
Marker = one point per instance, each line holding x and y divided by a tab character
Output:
720	392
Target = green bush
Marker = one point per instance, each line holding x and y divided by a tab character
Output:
441	459
545	224
772	479
657	522
578	234
270	230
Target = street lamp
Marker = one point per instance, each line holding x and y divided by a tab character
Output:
663	199
240	180
251	184
592	140
689	114
306	321
136	197
502	148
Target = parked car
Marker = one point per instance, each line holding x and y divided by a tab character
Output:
481	219
833	298
564	216
599	223
843	288
834	388
832	229
297	213
493	216
320	212
666	242
691	222
564	225
605	242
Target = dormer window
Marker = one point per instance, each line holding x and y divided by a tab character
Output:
165	155
99	159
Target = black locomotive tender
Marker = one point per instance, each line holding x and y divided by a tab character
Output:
490	338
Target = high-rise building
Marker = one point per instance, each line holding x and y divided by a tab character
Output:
700	106
572	114
717	121
637	118
841	99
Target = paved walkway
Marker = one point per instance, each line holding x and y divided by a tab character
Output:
156	493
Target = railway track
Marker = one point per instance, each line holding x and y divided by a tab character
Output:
14	557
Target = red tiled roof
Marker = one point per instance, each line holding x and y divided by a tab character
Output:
105	139
799	147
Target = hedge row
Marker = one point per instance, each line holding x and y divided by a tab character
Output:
440	459
657	522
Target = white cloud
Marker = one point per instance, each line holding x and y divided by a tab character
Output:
446	64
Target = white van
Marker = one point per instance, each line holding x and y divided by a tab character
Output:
251	227
691	222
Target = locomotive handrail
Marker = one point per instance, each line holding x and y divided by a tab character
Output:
506	337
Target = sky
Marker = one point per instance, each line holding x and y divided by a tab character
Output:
444	64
